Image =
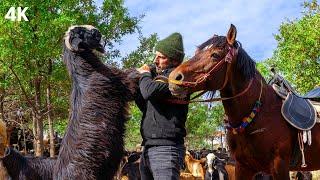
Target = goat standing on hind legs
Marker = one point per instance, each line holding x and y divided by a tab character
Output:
93	144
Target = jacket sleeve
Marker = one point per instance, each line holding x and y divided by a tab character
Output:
140	102
153	89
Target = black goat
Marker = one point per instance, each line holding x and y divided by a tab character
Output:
215	168
93	144
27	168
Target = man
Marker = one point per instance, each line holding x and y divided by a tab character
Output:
163	122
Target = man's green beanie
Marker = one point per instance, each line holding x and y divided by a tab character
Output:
172	47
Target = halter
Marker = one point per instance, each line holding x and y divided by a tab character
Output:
232	53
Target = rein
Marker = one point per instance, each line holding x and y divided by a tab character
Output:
179	101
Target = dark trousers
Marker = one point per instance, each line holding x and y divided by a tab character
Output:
162	162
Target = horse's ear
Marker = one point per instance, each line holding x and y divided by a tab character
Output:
197	51
232	34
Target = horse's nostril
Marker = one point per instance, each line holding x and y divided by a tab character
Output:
179	77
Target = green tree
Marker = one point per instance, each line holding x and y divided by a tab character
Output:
264	69
202	123
143	54
30	54
133	137
298	49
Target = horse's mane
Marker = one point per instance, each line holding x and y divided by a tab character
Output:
245	64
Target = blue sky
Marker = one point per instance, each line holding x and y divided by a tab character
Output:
197	20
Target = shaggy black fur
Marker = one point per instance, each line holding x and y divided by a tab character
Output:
27	168
93	144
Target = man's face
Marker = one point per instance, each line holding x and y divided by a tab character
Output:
161	61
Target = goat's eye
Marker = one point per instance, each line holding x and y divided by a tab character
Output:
215	56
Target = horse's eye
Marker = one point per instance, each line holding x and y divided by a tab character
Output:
215	56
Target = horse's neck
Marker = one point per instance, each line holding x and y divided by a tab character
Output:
238	108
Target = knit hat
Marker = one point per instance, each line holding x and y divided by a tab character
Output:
172	47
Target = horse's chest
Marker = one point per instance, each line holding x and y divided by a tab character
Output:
247	150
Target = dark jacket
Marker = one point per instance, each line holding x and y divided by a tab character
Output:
163	123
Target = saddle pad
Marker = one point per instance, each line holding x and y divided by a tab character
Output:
298	112
313	94
316	105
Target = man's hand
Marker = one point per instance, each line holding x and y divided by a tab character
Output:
143	69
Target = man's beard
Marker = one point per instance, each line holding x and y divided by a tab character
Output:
159	69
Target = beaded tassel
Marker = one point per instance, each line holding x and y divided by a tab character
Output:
246	120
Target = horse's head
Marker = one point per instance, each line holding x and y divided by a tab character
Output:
84	37
208	69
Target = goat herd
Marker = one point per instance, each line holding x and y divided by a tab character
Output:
199	164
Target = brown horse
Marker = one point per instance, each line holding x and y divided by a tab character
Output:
267	142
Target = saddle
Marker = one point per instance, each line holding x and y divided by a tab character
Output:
299	111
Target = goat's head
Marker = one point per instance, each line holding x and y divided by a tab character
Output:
210	161
84	37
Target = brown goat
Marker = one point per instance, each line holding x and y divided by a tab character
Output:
231	170
194	166
3	137
186	176
3	143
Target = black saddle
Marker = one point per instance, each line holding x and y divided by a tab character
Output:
299	111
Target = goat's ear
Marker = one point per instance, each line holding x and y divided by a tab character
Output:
232	34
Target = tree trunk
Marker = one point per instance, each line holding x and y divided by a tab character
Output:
2	95
34	130
50	120
39	128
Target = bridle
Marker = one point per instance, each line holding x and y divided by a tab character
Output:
231	55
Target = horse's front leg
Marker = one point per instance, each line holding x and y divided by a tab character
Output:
243	173
280	169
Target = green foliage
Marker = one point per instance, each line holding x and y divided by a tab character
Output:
143	54
264	69
28	46
60	126
202	123
298	49
133	137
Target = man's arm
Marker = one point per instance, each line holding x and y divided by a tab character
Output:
140	102
152	89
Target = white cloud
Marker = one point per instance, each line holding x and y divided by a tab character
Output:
256	21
